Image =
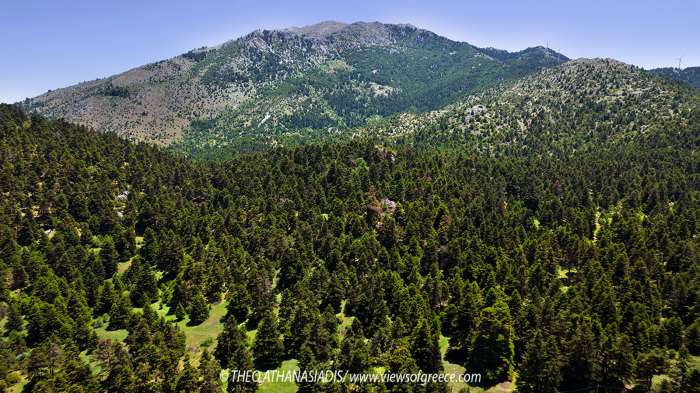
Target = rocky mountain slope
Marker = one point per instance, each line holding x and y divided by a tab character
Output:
270	84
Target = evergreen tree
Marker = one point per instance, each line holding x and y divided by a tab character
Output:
144	284
238	302
354	353
679	371
617	360
467	317
268	347
120	313
307	361
188	378
540	367
426	346
116	367
199	309
671	334
109	257
179	295
492	347
240	360
106	300
692	338
210	371
232	341
583	366
150	248
14	318
649	364
180	312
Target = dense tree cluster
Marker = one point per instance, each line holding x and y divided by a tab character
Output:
570	272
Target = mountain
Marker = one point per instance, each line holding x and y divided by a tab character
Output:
689	75
296	82
580	104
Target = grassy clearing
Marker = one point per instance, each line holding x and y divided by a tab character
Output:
92	363
122	267
564	273
204	333
281	387
452	368
114	335
251	334
197	335
345	321
597	226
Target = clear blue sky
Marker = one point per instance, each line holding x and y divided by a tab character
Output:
54	43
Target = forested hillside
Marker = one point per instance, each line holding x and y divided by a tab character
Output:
274	87
559	110
688	75
127	268
576	106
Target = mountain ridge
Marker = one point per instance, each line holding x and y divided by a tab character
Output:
159	102
579	105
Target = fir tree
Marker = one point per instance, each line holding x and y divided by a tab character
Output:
199	309
354	353
180	312
426	347
467	317
238	302
540	367
14	318
583	365
492	347
649	364
232	341
188	378
120	313
210	371
240	360
144	284
268	347
109	257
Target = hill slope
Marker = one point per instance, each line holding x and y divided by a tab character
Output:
689	75
313	79
577	105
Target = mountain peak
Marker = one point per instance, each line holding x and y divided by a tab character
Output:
321	28
363	31
542	53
